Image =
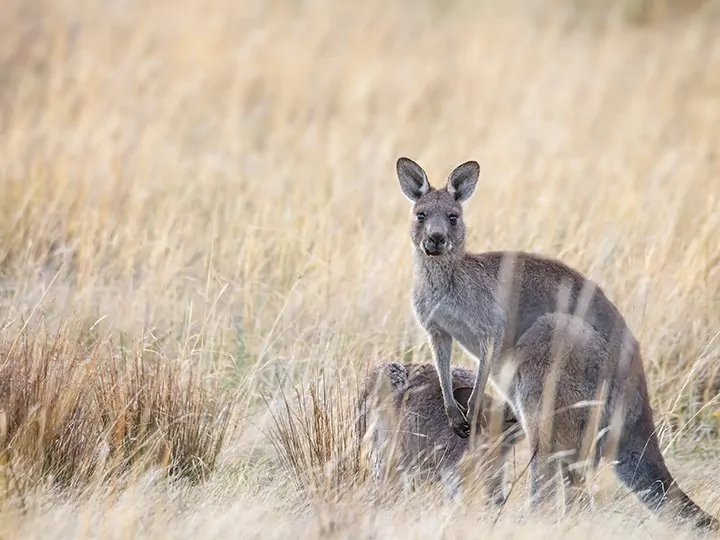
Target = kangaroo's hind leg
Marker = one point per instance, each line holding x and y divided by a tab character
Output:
550	384
574	485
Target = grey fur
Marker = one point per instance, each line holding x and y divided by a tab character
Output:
403	421
506	310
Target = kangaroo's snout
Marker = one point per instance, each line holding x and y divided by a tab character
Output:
437	238
435	243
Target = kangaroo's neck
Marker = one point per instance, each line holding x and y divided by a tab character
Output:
437	273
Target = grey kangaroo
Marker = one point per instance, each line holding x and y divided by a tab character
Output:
501	305
402	418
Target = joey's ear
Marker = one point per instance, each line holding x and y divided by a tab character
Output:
413	180
397	375
462	395
509	418
462	180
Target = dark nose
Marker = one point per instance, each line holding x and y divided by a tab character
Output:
437	238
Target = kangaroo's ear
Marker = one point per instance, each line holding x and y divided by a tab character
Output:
462	180
462	395
413	180
397	375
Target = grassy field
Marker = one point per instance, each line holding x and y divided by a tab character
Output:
200	222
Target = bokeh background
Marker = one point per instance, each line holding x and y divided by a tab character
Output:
199	216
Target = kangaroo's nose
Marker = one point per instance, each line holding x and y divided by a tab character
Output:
437	238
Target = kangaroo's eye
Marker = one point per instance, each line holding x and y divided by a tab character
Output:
420	216
453	219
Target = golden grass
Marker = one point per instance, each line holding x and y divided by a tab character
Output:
75	414
314	432
217	179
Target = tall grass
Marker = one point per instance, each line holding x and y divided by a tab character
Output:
74	414
212	183
314	432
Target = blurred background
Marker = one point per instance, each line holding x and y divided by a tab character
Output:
214	182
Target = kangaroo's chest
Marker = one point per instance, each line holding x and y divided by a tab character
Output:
452	314
471	319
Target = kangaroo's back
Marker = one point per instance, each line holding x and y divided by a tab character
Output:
541	285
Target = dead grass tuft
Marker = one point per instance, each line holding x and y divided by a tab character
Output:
73	413
315	435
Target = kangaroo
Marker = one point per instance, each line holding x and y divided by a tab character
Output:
402	417
496	302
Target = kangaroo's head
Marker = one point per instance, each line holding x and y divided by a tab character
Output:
437	224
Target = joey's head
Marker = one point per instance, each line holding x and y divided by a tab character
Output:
437	228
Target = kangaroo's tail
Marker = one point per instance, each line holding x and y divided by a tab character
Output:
641	467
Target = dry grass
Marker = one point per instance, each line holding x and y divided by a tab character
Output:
213	182
315	436
73	415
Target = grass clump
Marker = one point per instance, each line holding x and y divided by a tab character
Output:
73	413
314	432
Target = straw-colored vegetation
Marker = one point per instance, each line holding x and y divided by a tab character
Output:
203	244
